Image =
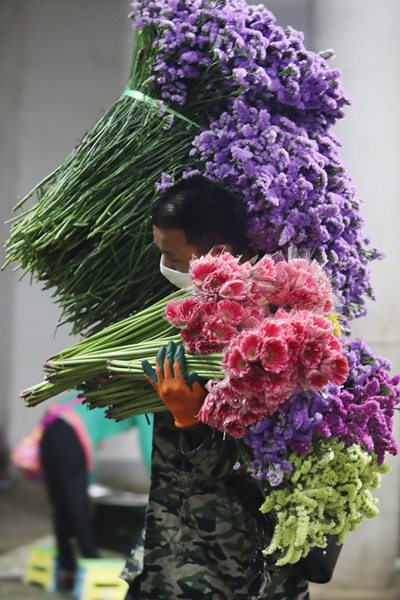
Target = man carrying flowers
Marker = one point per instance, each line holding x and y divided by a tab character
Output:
204	532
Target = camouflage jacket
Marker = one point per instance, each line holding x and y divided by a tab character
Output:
200	540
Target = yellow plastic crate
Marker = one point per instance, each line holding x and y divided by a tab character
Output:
41	566
98	579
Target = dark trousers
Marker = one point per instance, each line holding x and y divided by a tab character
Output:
65	474
133	592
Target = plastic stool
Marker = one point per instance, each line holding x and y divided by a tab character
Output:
41	567
98	579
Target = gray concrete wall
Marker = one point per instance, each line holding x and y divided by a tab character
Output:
365	37
62	64
10	63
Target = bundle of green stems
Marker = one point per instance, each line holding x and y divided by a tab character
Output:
84	365
142	397
106	367
87	235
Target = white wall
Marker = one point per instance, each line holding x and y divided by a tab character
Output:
364	34
63	63
10	63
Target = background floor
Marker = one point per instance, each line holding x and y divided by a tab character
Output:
25	519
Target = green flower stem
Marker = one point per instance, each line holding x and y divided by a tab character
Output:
142	350
120	415
129	329
206	365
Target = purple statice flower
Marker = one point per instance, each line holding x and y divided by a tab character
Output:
348	253
289	429
362	409
233	47
266	105
182	46
290	79
165	182
296	190
363	363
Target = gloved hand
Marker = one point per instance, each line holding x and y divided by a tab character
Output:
182	394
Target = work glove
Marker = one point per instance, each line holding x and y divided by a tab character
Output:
181	393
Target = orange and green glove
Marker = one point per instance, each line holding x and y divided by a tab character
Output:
181	393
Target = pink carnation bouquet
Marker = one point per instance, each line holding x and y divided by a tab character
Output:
273	322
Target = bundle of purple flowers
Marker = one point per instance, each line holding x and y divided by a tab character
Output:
268	134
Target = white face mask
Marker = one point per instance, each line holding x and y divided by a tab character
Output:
178	279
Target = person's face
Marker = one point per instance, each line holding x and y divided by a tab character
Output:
176	251
174	248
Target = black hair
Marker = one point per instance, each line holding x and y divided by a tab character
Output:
205	210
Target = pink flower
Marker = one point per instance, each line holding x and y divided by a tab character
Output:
201	268
303	326
297	321
303	298
224	410
333	345
252	383
278	297
233	262
278	383
302	285
246	269
205	346
328	307
273	401
249	344
337	369
190	336
311	353
267	358
327	365
234	289
316	380
252	317
264	275
210	272
271	328
229	310
190	311
208	309
215	280
340	369
173	313
219	330
214	408
234	363
265	270
316	320
274	355
234	428
258	296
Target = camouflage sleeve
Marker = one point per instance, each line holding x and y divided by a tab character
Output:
213	456
134	564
